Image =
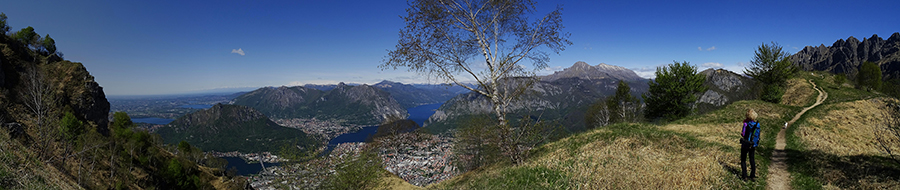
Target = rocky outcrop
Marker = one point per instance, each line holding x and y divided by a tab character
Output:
73	87
96	109
846	56
723	87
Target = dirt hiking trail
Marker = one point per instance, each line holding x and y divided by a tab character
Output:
779	178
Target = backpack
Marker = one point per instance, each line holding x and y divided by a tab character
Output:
750	133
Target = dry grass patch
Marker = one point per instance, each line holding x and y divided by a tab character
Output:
839	149
392	182
635	162
798	93
845	129
726	134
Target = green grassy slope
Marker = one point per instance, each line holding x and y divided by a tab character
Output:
698	152
832	146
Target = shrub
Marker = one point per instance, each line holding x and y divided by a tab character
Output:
771	68
672	92
869	77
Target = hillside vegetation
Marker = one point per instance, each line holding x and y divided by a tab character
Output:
831	146
226	128
56	133
698	152
835	146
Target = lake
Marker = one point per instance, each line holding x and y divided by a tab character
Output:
152	120
244	168
419	114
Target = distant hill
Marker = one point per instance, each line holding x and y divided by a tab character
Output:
362	105
563	99
226	128
414	95
846	56
408	95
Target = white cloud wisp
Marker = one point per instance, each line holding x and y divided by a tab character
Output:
238	51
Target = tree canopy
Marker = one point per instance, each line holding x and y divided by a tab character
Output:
4	27
869	77
671	94
771	68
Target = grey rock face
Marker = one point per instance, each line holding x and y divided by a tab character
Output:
713	97
723	87
846	56
96	109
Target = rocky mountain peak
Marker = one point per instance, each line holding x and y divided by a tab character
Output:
604	66
580	65
845	56
386	84
583	70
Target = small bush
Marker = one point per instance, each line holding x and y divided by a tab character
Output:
840	79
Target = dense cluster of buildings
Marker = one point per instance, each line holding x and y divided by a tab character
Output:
326	129
420	159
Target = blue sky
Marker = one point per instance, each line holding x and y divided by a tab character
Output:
170	47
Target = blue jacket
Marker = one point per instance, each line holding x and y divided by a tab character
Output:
750	132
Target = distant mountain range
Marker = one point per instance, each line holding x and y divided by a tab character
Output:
226	128
562	96
415	95
846	56
362	105
602	71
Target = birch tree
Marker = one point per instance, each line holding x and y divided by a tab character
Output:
482	40
485	41
38	97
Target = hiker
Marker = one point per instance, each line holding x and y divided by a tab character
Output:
749	142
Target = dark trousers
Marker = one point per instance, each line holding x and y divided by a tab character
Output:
745	150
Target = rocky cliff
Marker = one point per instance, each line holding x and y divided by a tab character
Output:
363	104
70	84
723	87
846	56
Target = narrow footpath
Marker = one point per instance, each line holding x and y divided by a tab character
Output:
779	178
